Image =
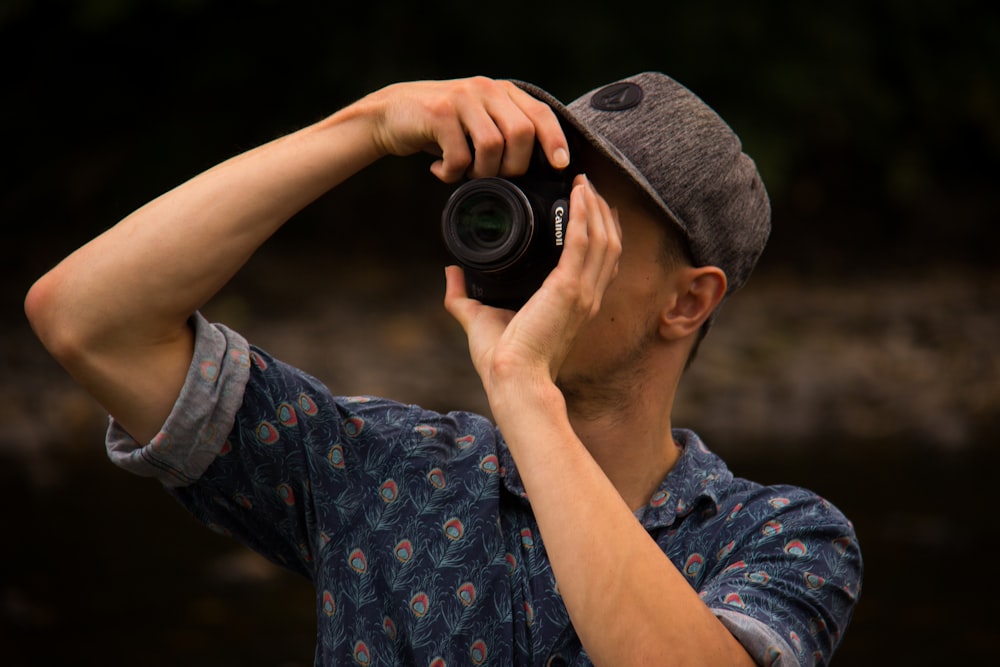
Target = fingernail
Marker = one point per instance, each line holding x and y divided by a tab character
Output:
560	158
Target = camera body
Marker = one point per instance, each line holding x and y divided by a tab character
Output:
507	234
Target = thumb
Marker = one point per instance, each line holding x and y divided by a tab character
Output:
488	323
456	299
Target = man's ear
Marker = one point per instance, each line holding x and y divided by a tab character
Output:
699	290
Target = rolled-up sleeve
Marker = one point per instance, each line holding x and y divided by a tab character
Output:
202	417
787	586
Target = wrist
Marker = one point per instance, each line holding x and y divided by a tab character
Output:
520	396
362	120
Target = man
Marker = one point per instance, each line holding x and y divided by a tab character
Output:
581	528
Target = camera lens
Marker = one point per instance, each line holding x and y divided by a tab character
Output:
487	224
482	221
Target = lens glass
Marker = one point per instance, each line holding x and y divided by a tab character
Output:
483	221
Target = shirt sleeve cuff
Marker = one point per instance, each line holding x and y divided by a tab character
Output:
763	644
202	417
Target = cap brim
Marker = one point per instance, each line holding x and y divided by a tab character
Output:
604	147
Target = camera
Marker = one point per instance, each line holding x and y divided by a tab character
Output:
507	234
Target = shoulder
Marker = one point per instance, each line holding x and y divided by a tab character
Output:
737	532
779	564
780	510
707	489
782	524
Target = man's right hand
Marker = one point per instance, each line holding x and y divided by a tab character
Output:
499	119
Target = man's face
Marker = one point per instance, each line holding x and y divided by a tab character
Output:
613	345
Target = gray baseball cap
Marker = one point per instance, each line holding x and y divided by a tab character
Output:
685	158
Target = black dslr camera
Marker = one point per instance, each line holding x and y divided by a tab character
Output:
507	234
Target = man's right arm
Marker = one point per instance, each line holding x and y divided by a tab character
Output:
115	312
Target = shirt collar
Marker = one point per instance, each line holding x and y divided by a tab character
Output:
698	479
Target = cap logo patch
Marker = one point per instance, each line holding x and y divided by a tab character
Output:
617	97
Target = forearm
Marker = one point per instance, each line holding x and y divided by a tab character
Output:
627	601
114	312
149	272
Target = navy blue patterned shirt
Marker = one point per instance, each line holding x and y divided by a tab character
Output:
417	533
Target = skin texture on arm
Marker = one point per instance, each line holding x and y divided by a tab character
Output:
115	312
629	603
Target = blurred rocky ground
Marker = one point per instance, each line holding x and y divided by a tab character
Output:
909	357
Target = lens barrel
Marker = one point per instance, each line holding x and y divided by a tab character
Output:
487	224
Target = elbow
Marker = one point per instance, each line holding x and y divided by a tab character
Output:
36	306
48	319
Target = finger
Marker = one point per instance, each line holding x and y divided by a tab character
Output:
612	245
613	251
482	324
519	145
521	120
597	237
598	263
567	278
519	136
494	124
488	141
456	300
505	139
577	232
454	150
547	129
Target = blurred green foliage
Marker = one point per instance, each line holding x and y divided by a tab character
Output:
876	123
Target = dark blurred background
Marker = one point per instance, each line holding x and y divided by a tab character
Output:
861	361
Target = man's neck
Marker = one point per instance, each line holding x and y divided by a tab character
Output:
630	440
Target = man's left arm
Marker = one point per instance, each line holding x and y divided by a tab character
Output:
629	604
